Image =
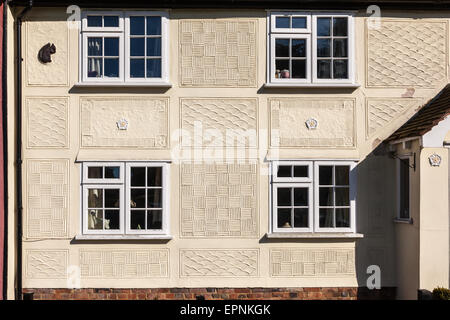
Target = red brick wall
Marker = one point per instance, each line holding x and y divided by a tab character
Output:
211	294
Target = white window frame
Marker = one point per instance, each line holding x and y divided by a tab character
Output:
122	31
276	164
398	187
123	183
310	31
165	196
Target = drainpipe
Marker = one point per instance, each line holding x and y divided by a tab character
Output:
5	154
19	147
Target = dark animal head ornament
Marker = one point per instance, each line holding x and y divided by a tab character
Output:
45	52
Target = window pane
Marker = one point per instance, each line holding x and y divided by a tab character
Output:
299	47
324	69
137	198
112	68
282	66
340	48
137	68
282	47
110	21
284	197
326	218
342	174
301	218
112	220
137	219
137	176
342	218
112	172
324	48
282	22
153	47
301	171
94	21
153	25
284	171
284	218
153	68
154	198
111	47
95	172
326	175
137	47
112	198
95	220
95	67
323	27
299	22
326	197
299	69
404	188
154	176
342	197
340	69
301	197
137	25
154	219
95	198
95	46
340	27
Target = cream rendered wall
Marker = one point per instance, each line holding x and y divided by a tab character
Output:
385	100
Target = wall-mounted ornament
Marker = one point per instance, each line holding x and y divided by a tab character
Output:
311	123
45	53
122	124
435	160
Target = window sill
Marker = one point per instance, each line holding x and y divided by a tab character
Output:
93	237
405	221
161	84
312	85
314	235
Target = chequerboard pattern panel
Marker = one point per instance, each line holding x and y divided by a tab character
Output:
47	210
218	53
219	200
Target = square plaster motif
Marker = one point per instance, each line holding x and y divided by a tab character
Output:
38	34
234	121
147	122
218	53
47	122
335	122
407	53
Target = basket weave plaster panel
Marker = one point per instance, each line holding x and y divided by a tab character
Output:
46	264
147	120
219	263
47	122
124	264
231	117
306	262
335	122
38	34
407	53
47	210
218	53
219	200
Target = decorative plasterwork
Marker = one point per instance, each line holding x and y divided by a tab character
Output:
46	264
47	213
336	118
232	118
124	264
219	263
219	200
218	53
407	53
148	119
435	160
382	111
308	262
38	33
47	122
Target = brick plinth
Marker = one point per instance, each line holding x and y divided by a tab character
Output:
211	294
